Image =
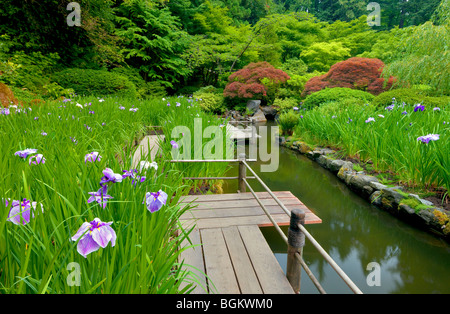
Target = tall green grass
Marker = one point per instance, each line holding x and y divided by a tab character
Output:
390	142
37	257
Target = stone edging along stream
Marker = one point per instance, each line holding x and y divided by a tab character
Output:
408	207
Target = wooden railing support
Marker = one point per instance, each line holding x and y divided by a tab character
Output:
296	242
242	173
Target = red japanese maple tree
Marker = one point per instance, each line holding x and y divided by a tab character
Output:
356	73
255	81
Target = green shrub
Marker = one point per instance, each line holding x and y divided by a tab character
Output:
287	122
210	102
332	108
187	90
337	94
410	97
209	89
95	82
294	66
144	89
295	85
53	90
30	71
285	104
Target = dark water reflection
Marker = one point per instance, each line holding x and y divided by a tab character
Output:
354	233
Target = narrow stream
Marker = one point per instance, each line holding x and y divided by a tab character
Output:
354	233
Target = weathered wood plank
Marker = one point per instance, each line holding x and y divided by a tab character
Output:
235	212
245	203
269	272
245	274
192	256
217	262
259	220
235	196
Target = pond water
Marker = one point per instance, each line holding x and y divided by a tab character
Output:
354	233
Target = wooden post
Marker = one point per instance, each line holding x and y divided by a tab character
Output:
296	242
242	173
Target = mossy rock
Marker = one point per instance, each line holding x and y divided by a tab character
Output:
302	147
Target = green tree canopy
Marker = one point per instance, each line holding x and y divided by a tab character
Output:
152	41
423	55
321	56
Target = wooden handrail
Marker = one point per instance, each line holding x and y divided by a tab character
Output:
294	252
210	160
327	257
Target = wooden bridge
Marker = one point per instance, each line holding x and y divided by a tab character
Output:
226	251
231	250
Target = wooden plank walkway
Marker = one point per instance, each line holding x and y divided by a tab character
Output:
229	246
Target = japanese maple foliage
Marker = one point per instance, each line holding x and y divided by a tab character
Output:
255	81
356	73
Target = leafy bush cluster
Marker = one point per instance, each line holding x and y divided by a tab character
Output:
210	99
337	94
287	122
409	96
98	82
285	104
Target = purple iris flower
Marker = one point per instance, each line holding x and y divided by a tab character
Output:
5	111
20	211
155	200
427	138
174	144
24	153
100	196
405	112
133	173
93	235
110	176
94	156
134	109
37	159
138	178
129	173
419	107
370	120
436	109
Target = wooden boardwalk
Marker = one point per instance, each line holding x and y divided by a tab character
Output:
229	246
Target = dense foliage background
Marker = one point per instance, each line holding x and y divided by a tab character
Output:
178	46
